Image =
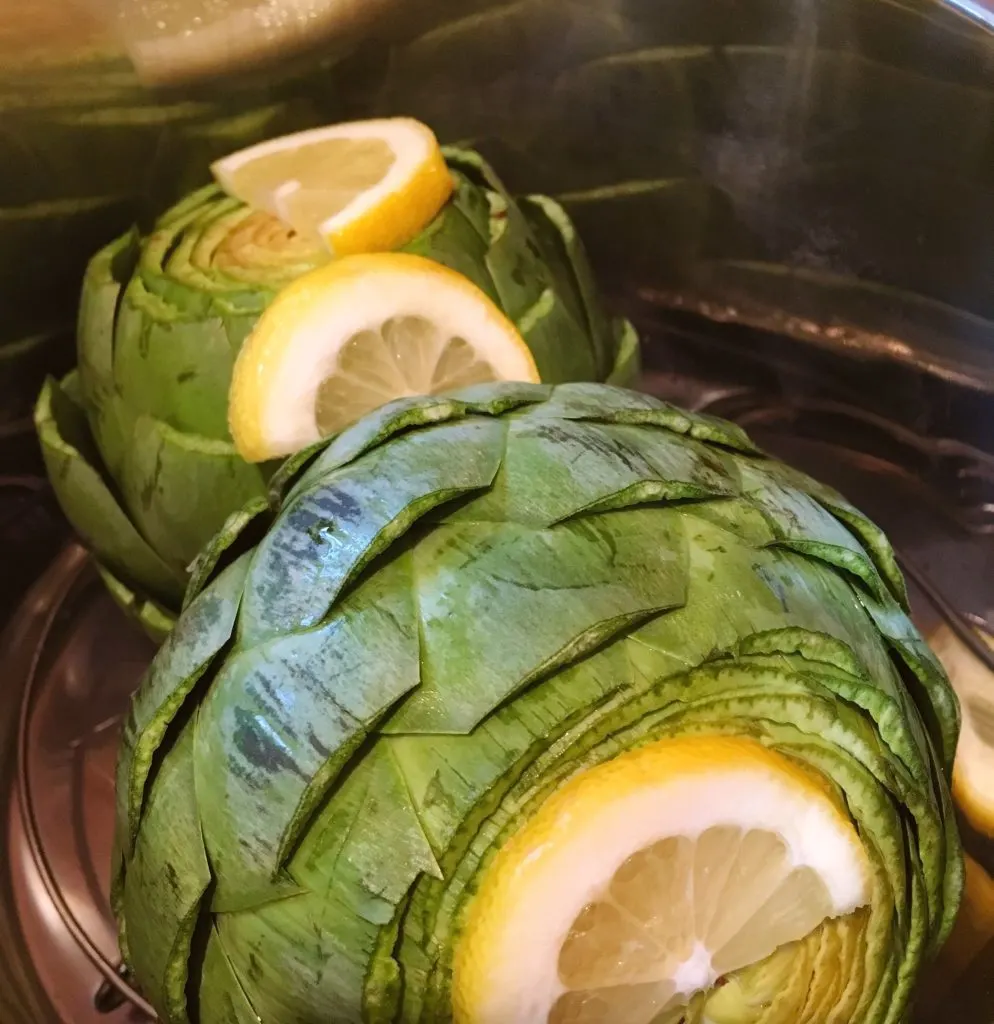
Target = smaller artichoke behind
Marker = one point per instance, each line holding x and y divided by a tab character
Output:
135	439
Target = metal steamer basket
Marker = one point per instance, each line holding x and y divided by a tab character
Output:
793	202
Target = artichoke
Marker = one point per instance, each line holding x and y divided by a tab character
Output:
454	605
136	440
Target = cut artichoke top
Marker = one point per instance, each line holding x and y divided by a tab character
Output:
460	602
136	441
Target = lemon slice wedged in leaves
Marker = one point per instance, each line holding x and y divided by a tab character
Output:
357	333
973	770
642	881
362	186
973	930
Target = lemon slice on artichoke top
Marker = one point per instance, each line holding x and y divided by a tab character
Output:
362	186
644	880
357	333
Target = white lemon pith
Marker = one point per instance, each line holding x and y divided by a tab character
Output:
973	769
356	334
643	880
363	186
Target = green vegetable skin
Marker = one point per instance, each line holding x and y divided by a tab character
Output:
459	602
136	441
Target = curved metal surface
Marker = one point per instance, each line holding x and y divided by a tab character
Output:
76	661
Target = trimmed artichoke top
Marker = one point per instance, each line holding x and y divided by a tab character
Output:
458	603
136	441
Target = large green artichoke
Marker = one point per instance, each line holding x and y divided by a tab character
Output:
461	601
136	440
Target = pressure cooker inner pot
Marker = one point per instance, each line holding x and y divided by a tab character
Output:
792	201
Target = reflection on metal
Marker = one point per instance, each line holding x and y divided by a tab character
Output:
78	664
981	12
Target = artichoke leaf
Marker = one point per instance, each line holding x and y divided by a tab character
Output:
852	970
357	863
171	367
333	530
856	689
926	681
273	759
739	517
557	595
86	499
166	879
475	181
103	283
606	404
452	239
562	250
476	169
402	414
866	531
955	871
778	588
242	530
772	991
802	524
180	488
155	620
916	949
514	260
221	996
833	962
628	362
288	472
200	634
454	779
881	693
552	473
561	349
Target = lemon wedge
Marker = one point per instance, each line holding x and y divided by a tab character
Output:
357	333
364	186
973	769
973	930
642	881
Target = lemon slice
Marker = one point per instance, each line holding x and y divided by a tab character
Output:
365	186
973	930
642	881
973	769
357	333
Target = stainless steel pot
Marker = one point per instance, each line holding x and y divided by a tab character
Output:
794	201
